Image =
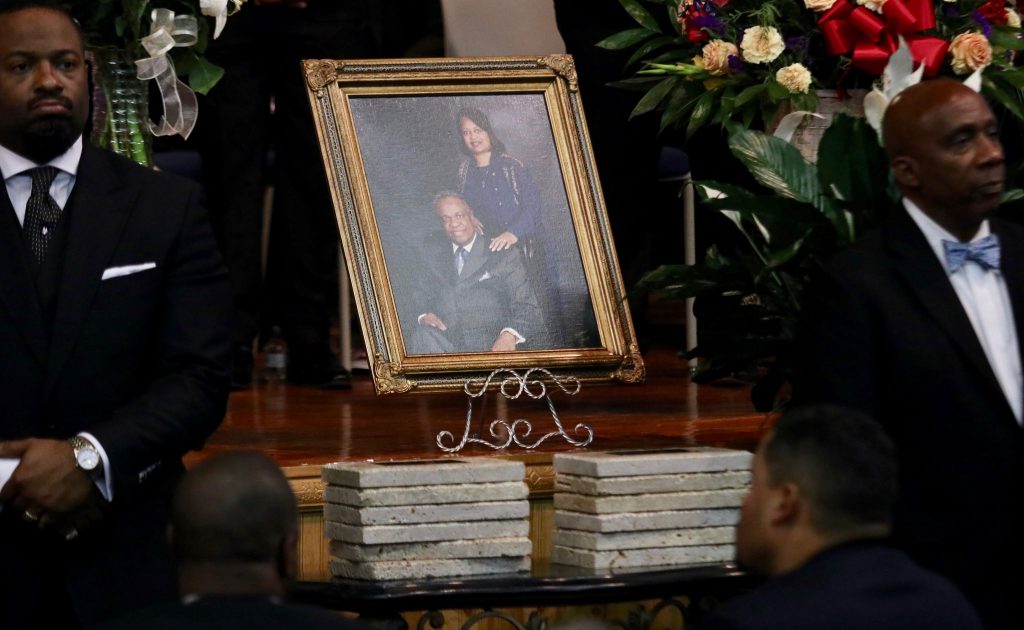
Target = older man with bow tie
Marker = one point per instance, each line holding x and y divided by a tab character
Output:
919	324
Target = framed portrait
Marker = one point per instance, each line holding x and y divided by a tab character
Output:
472	220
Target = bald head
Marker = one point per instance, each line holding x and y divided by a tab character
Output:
943	144
233	508
910	114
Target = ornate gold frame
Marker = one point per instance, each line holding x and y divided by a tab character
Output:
331	83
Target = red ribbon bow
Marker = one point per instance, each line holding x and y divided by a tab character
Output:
873	38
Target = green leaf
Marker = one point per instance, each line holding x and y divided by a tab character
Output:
1012	194
1006	37
1008	99
777	164
646	49
1013	77
727	102
701	112
676	106
204	75
624	39
776	91
748	95
654	97
863	181
748	116
640	14
639	84
673	56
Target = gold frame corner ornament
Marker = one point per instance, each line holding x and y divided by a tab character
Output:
563	66
320	73
631	370
389	377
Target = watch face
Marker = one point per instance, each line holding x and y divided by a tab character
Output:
88	459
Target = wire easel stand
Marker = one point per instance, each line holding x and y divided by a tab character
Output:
506	433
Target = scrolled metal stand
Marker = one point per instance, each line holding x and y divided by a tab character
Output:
506	433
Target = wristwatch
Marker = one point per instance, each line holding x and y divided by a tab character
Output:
86	456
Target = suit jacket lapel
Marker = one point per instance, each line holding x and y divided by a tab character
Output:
100	204
927	280
17	290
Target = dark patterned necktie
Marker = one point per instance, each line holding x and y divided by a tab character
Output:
460	259
42	213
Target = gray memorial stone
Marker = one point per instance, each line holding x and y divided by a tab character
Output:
427	495
649	502
456	470
631	463
480	548
415	569
410	514
642	557
641	521
649	484
644	540
384	534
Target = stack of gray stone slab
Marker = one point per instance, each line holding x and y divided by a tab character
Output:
639	509
420	519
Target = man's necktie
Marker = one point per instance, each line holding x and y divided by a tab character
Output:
41	213
460	259
984	251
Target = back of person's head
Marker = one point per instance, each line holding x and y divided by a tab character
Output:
843	463
234	508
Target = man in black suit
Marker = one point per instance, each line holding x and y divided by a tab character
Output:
114	311
823	484
234	533
919	324
473	299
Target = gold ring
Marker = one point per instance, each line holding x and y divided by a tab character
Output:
30	517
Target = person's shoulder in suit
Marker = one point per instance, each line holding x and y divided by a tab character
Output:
855	586
230	613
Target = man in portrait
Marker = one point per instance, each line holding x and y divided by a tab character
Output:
472	299
114	316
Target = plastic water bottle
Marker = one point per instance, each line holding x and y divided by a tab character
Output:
275	358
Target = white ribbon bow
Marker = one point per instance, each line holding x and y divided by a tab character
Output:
180	105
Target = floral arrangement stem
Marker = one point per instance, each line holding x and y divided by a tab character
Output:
120	107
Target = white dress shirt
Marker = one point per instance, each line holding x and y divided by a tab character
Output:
986	300
19	188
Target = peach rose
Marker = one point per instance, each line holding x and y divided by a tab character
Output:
970	52
716	56
761	44
795	78
819	6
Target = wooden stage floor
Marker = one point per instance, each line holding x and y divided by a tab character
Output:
301	427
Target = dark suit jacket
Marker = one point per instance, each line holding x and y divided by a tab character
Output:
492	292
140	361
229	613
855	586
888	335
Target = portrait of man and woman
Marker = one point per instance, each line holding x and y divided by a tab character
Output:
474	222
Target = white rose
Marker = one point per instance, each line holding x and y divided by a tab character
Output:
970	52
819	6
874	5
1012	18
761	44
795	78
716	56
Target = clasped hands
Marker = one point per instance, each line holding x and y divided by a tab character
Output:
506	341
47	487
500	242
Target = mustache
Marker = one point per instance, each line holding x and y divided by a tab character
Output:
63	100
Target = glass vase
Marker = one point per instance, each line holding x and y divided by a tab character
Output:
120	120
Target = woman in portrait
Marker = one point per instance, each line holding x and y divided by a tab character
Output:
497	186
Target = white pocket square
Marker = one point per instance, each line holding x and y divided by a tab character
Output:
125	270
486	276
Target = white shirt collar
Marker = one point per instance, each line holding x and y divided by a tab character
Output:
468	246
935	233
12	164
